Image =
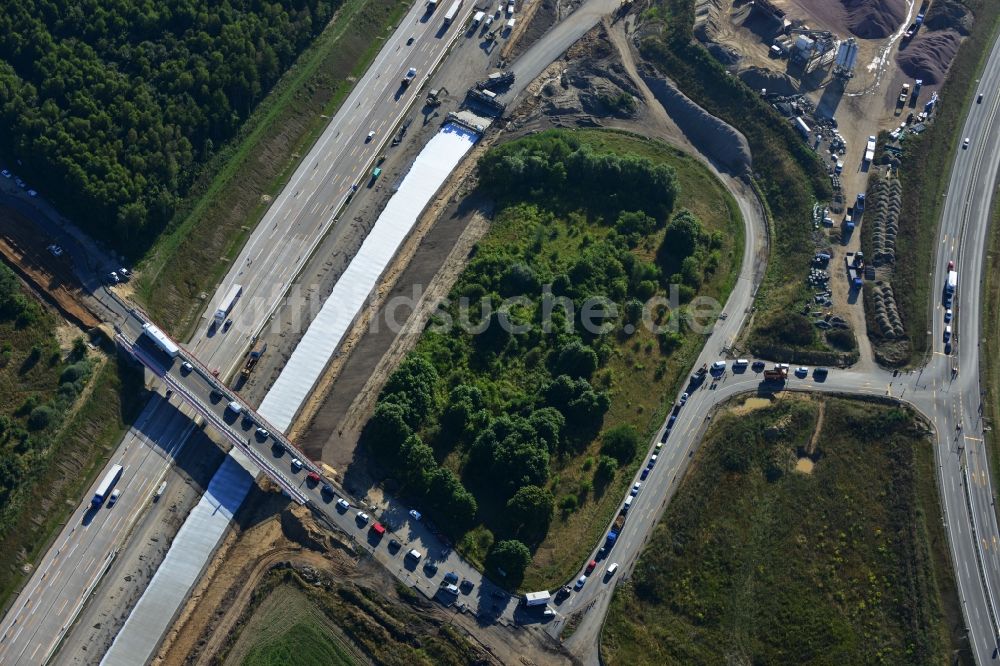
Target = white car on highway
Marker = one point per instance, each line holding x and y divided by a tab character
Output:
296	464
635	488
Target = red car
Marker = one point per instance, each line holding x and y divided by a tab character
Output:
951	265
313	477
590	567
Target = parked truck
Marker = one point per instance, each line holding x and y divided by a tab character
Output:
870	149
252	358
536	598
778	373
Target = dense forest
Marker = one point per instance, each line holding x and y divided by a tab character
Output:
111	105
477	423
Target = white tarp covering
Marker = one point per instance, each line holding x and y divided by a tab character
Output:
188	554
435	162
207	522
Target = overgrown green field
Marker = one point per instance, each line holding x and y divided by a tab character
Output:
805	532
528	438
991	338
924	188
214	221
291	621
788	175
61	412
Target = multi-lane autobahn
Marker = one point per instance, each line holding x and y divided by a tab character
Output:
275	252
304	213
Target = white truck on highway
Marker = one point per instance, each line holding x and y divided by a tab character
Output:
452	12
107	483
227	303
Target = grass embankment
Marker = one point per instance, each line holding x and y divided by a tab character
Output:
990	336
61	412
217	217
924	186
755	562
789	177
524	420
293	621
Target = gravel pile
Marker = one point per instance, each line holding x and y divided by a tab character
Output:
876	19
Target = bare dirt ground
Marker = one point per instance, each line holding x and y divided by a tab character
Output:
271	532
863	106
23	248
867	19
568	95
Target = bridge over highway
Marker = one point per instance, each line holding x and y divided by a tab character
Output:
211	399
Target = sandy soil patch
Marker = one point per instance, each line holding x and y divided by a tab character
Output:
751	405
24	250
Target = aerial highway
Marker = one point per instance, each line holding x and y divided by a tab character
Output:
946	390
296	221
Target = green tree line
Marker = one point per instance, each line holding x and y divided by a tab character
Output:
111	105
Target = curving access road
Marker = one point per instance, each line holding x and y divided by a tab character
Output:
946	390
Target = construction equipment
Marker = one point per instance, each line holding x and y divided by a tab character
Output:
252	358
434	96
496	81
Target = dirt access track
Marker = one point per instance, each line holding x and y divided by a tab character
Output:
270	532
24	250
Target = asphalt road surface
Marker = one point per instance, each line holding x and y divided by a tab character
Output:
946	390
276	250
947	397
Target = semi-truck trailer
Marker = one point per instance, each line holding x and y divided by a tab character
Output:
107	483
452	12
227	303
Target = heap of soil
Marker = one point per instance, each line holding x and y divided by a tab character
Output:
775	82
876	19
945	14
720	142
929	55
868	19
